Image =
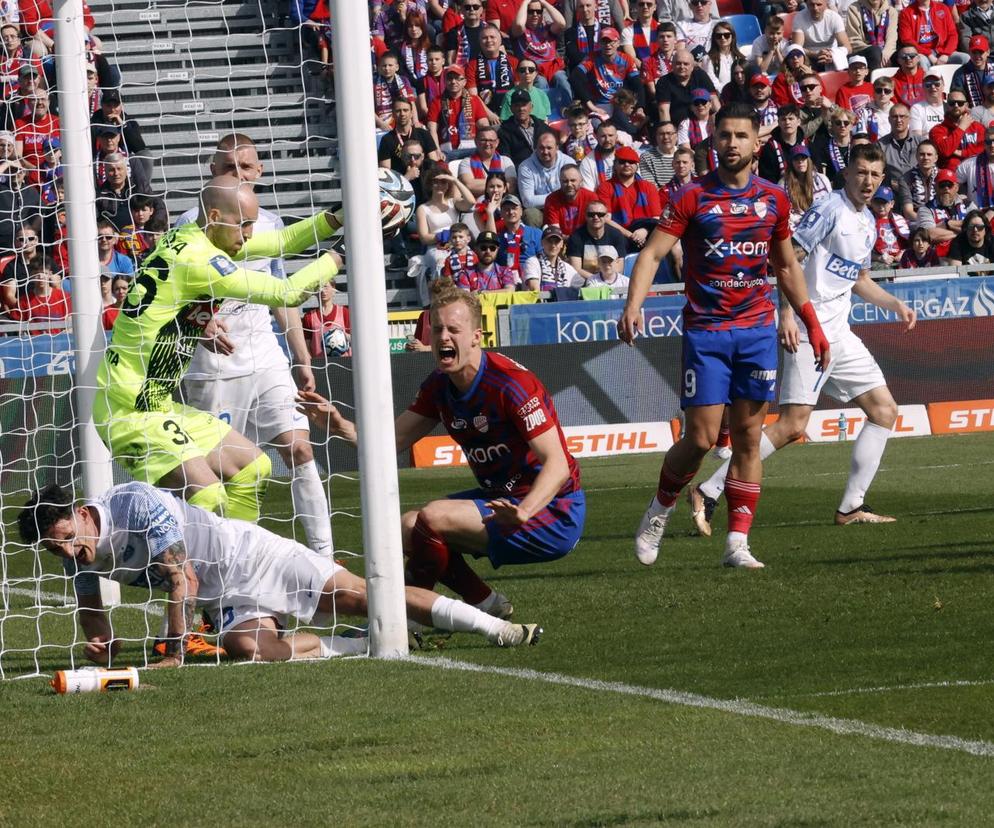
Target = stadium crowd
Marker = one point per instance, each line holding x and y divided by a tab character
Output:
556	132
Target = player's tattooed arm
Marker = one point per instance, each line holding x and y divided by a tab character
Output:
182	586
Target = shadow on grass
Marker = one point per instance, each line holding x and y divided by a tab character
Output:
955	550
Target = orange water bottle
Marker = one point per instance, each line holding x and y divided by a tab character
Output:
95	680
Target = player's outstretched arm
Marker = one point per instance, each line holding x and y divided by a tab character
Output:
100	644
866	288
183	587
790	281
656	249
221	278
293	238
555	471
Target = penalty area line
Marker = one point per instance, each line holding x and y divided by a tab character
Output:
737	707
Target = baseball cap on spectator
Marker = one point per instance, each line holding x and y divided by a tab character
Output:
945	175
932	74
91	67
793	49
510	199
28	69
626	154
110	96
700	95
552	231
7	137
607	251
979	43
455	68
486	239
520	96
883	193
107	129
760	79
800	151
610	33
51	144
857	60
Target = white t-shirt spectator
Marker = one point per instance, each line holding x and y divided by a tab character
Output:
760	46
620	281
820	34
695	34
924	116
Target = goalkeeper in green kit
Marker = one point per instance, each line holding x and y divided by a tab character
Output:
164	316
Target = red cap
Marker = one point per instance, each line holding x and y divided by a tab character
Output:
945	175
455	68
760	80
626	154
979	43
610	33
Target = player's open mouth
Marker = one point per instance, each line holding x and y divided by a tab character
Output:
446	353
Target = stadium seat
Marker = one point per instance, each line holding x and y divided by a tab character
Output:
788	24
454	167
883	72
832	81
746	27
726	8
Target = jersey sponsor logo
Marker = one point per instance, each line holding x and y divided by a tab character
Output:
738	208
719	248
481	424
487	454
529	406
458	424
843	268
223	265
961	417
535	419
716	210
764	376
810	219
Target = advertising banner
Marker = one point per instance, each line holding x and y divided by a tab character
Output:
829	425
961	417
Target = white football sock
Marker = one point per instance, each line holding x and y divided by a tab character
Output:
337	645
715	484
448	614
866	454
311	505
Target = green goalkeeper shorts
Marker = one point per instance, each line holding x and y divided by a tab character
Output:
150	444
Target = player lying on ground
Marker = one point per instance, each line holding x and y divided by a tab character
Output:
529	507
837	236
247	579
734	228
174	296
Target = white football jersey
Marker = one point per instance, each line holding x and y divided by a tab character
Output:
838	239
250	327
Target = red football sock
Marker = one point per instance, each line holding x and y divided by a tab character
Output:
429	555
462	580
670	486
724	437
742	498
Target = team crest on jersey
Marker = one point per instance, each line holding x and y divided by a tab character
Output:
223	265
481	424
760	208
667	213
738	208
810	219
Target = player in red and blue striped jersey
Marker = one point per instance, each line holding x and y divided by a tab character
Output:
733	227
529	506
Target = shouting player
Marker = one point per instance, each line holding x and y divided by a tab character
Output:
529	507
837	237
171	301
734	227
245	578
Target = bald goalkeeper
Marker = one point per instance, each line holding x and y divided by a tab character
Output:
173	298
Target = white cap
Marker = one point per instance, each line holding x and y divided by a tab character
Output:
857	60
607	251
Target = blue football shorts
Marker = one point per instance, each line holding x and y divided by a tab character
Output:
731	364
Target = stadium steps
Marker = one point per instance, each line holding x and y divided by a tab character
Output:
194	70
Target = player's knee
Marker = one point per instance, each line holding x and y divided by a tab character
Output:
242	646
435	515
212	498
884	414
407	521
344	594
296	453
247	487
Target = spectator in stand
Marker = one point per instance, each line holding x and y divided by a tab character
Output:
602	74
661	63
900	146
135	241
628	116
931	111
487	275
18	203
388	86
699	126
640	38
609	267
977	20
580	140
775	154
503	14
909	79
527	73
583	33
548	269
830	152
931	30
632	201
598	166
595	232
737	88
822	34
917	185
486	212
985	111
805	187
492	72
473	171
113	199
538	176
683	174
112	261
518	241
111	112
872	29
413	47
723	52
892	230
920	252
857	92
448	198
118	289
975	176
975	74
605	12
761	98
874	120
431	87
959	136
566	207
815	108
673	91
768	49
942	216
973	245
327	325
460	257
31	133
536	30
695	33
787	86
520	133
109	142
454	118
390	19
43	299
14	267
13	57
656	162
462	42
391	147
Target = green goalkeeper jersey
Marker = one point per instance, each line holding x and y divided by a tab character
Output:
174	296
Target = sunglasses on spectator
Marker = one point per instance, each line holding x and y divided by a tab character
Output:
883	90
978	227
841	123
596	215
473	7
535	11
908	55
933	83
699	2
723	35
531	70
414	156
625	161
957	102
946	184
487	247
105	237
989	140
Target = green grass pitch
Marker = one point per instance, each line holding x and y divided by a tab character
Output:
885	627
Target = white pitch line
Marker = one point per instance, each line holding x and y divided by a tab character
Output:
737	707
925	685
59	600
